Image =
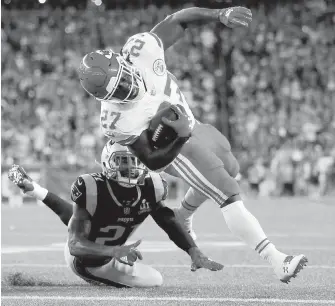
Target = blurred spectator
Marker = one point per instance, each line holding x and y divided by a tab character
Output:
277	83
256	175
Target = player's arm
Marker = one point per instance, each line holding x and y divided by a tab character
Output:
152	158
173	26
165	217
158	158
80	246
166	220
79	230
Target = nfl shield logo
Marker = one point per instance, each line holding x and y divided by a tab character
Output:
126	210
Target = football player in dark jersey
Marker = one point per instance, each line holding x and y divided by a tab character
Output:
108	207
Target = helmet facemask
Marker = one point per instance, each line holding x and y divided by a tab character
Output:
124	168
127	85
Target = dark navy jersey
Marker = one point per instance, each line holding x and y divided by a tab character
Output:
116	211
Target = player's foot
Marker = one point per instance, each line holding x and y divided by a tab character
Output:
20	178
290	267
187	223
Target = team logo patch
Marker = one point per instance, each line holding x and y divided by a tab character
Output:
126	210
75	193
159	67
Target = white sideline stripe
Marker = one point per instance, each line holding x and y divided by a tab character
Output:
171	298
26	265
146	246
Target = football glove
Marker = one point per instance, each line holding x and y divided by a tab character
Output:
183	125
199	260
237	16
21	179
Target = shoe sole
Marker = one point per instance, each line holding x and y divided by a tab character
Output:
302	263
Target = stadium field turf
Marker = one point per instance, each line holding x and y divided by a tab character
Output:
34	270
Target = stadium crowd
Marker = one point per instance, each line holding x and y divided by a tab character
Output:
276	81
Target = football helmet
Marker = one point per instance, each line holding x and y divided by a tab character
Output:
120	165
107	76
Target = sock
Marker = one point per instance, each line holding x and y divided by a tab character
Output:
245	226
191	202
268	251
186	210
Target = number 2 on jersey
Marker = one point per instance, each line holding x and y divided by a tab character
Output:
138	45
111	117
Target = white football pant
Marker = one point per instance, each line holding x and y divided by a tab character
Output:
115	273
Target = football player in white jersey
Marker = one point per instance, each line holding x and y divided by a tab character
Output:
108	208
134	84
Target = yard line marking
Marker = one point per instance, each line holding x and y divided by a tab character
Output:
172	298
32	265
154	247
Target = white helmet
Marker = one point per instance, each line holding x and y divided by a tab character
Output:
120	165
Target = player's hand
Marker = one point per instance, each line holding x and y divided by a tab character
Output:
199	260
183	125
237	16
127	254
20	178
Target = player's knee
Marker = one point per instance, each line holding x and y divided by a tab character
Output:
153	279
157	279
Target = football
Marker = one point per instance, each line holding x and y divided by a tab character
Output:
161	134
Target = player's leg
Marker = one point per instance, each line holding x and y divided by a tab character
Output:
115	274
211	139
205	172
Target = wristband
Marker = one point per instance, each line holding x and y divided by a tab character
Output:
39	192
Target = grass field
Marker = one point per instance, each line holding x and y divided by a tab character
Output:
34	271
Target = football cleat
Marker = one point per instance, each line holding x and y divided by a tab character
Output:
187	223
290	267
20	178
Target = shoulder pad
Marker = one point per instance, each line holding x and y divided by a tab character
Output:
78	189
84	191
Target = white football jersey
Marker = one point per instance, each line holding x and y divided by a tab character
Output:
124	122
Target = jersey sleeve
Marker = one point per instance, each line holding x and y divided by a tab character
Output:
160	186
146	50
84	193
